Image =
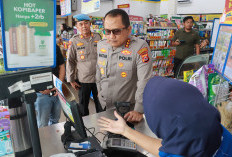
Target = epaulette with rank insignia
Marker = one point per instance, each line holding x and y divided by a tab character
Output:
127	43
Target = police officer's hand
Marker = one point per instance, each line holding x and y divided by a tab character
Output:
115	126
133	116
75	85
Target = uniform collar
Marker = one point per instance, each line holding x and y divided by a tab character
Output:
128	42
82	37
126	45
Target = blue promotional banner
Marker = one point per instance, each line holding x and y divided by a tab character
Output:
222	47
228	67
222	55
28	33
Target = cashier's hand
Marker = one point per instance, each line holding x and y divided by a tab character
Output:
115	126
133	116
75	85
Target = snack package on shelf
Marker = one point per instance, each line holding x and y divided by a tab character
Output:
187	75
5	143
5	139
4	120
213	86
1	66
200	78
213	83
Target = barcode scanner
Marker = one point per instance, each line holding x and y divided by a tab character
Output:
122	108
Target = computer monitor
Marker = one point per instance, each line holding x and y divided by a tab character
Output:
72	112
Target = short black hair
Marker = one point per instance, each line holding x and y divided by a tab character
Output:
122	13
187	18
65	28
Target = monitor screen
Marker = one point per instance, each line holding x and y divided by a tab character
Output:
71	111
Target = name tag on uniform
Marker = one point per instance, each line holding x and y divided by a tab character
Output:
125	58
103	55
79	48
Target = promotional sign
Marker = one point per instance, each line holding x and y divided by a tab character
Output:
223	44
136	24
195	17
228	6
28	33
214	32
65	7
135	18
164	7
227	13
125	7
228	66
90	6
211	17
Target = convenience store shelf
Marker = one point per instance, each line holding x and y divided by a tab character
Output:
60	17
162	28
171	75
157	39
153	49
162	57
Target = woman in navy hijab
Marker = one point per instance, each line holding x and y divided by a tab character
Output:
185	123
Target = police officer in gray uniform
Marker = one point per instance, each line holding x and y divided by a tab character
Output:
124	65
81	63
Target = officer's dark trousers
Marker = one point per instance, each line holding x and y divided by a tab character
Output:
84	95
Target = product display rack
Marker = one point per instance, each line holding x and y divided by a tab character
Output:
159	40
97	25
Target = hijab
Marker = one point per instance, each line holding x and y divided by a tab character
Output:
179	115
